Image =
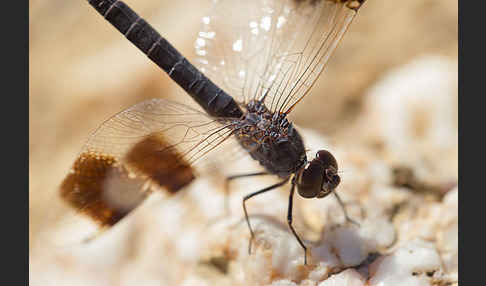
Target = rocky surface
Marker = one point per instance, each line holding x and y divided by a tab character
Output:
396	149
406	207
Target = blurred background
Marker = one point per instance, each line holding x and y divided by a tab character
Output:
82	71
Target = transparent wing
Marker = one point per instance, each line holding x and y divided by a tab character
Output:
186	131
271	49
150	146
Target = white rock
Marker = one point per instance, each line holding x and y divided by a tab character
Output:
322	270
379	232
348	245
425	85
448	234
191	281
348	277
413	110
408	265
284	283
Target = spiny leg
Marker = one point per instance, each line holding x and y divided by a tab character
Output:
246	213
226	186
289	221
348	219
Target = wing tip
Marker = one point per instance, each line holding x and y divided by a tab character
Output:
351	4
354	4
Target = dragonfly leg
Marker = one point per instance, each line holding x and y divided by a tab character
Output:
231	178
289	221
343	207
246	213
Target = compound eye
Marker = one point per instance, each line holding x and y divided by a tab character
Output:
310	181
327	159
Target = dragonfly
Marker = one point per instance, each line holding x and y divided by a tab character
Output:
256	60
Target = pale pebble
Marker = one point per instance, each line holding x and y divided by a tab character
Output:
408	265
348	277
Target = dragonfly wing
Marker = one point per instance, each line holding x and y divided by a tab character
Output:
152	145
271	49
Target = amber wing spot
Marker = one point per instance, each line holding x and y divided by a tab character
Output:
97	185
155	159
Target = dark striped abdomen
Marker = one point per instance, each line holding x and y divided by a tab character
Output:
209	96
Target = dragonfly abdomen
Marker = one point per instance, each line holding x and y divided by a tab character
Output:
210	97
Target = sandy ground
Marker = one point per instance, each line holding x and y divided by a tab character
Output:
82	71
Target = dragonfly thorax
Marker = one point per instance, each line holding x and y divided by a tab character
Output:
271	139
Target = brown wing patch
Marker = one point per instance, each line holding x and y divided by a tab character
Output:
100	188
154	158
152	143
